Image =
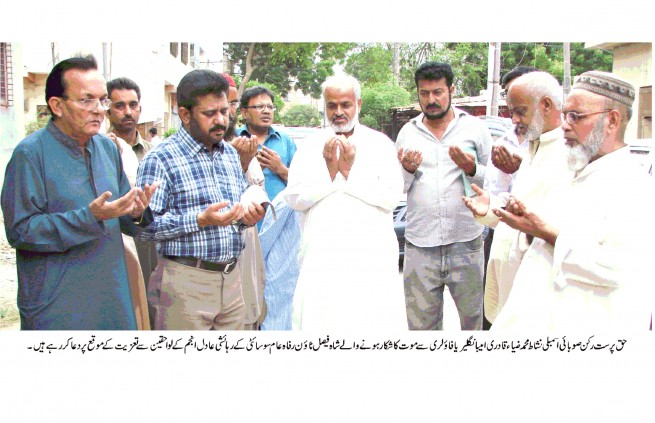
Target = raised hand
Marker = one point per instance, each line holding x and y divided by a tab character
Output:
143	197
410	160
215	216
270	159
478	205
330	156
103	209
504	160
247	149
346	156
463	160
253	214
518	216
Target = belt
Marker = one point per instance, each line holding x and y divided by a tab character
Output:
225	267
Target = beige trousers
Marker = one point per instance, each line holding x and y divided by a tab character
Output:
188	298
137	284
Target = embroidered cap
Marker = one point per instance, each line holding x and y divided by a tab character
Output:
606	84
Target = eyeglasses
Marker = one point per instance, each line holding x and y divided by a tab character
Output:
91	103
261	107
120	106
573	117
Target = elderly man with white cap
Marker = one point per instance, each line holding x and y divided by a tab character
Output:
587	266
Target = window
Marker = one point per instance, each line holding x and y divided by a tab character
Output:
6	80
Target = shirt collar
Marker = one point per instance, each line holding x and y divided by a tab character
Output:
63	138
418	120
552	135
244	131
139	140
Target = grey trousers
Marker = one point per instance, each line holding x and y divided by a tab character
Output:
427	270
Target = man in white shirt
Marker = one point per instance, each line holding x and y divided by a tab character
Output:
442	151
154	139
588	265
347	182
535	102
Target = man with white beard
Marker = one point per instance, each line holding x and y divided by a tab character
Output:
535	102
587	266
346	182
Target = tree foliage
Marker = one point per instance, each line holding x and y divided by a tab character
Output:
285	66
370	64
550	58
378	100
301	115
37	124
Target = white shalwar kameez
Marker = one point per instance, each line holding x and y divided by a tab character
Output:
540	173
596	277
349	278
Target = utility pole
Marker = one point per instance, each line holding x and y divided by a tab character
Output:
55	54
566	83
493	79
105	62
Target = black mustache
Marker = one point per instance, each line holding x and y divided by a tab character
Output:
217	127
433	105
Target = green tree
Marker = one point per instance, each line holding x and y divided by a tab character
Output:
301	115
377	102
469	64
370	64
303	66
549	57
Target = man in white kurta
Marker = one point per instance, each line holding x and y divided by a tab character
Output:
346	182
535	101
587	267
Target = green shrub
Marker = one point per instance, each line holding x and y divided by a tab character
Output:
35	125
301	115
169	132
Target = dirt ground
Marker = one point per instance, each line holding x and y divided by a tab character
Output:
9	319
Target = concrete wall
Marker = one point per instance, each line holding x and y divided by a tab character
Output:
150	65
12	120
634	62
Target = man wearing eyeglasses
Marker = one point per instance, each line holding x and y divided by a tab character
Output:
589	265
124	114
535	103
198	215
66	200
276	148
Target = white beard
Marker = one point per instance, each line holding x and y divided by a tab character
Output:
536	128
347	127
581	154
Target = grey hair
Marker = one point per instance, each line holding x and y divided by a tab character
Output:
342	81
540	85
